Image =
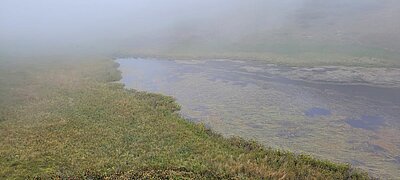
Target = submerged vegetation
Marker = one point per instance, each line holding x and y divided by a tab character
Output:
69	119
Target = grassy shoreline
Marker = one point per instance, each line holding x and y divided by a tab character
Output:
69	119
302	59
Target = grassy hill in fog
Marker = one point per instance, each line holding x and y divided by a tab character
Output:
356	33
297	32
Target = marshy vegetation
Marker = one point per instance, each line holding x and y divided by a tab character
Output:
69	119
353	120
63	113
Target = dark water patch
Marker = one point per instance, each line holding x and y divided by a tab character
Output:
366	122
377	94
327	69
242	84
315	111
397	159
254	125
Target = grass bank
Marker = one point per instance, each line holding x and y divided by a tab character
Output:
66	118
289	52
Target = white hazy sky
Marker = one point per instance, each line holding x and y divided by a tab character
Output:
28	23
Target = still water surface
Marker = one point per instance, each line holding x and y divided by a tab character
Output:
353	123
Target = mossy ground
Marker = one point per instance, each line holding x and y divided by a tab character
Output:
66	118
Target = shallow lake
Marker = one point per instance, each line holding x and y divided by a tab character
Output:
352	122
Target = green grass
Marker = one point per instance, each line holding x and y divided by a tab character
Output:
66	118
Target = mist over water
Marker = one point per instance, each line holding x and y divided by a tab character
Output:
107	26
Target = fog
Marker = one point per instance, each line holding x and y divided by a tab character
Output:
284	62
45	26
